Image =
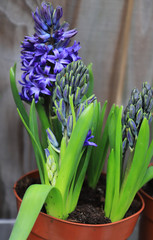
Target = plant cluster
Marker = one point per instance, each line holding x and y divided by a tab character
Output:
59	89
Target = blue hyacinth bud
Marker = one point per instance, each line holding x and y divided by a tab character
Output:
139	117
150	107
69	125
124	145
130	139
77	80
84	89
58	92
133	127
131	111
66	93
123	131
60	116
52	138
138	104
77	97
146	102
63	107
62	83
80	110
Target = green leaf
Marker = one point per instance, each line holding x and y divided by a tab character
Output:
38	151
99	153
91	81
78	179
148	176
117	154
40	157
44	123
112	130
73	150
32	203
63	148
147	172
33	122
16	96
54	204
109	184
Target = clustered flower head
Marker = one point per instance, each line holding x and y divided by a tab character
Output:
70	87
139	107
46	53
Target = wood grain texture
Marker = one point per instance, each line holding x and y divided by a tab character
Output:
100	24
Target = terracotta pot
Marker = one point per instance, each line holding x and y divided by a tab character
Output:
146	221
50	228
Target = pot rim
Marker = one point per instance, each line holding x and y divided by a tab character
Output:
81	224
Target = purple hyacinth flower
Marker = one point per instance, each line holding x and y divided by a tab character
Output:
73	51
46	52
87	142
59	59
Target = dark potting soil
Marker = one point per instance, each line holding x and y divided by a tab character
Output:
90	205
148	188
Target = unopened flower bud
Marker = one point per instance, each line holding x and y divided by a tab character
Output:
139	117
52	137
133	127
69	125
130	138
77	96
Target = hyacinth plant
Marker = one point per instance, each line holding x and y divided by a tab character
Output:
58	88
131	152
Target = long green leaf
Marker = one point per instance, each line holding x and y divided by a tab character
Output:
54	204
73	150
109	184
16	96
100	152
44	123
34	129
147	172
70	197
32	203
38	151
117	155
79	178
148	176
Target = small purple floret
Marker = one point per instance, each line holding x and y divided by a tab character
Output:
87	142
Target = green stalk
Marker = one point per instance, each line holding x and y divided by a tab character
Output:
72	110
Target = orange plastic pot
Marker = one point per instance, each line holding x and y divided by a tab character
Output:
146	221
50	228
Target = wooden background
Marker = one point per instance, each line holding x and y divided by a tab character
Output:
116	35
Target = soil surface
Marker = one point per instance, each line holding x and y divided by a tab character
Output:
90	205
148	188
